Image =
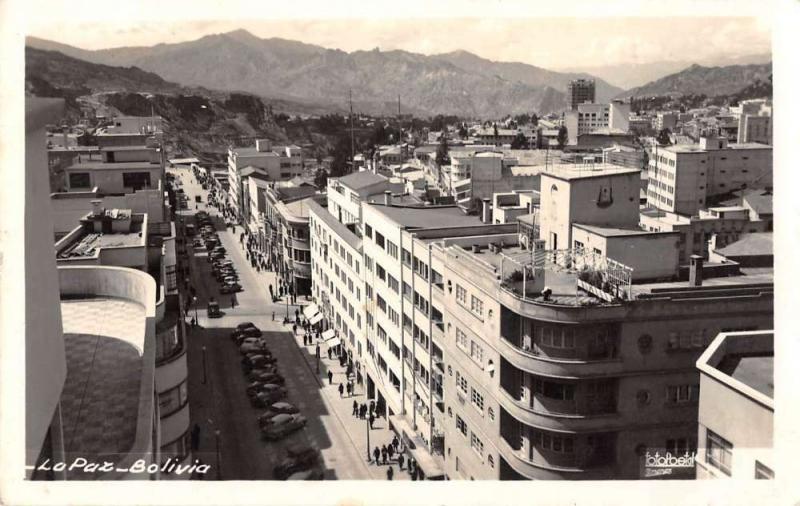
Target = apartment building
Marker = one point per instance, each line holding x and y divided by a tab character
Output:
736	407
589	117
278	163
683	177
754	121
664	120
580	91
97	343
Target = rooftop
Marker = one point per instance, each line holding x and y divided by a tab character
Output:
252	152
760	243
337	227
98	165
615	231
299	208
104	341
759	200
294	192
427	216
570	171
755	371
359	180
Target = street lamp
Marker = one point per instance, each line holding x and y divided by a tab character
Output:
366	419
204	365
219	464
196	320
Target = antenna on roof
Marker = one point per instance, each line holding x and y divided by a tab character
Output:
352	139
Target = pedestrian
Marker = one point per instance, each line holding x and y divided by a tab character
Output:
233	301
362	411
359	379
352	387
355	408
395	443
400	460
389	473
376	453
341	390
297	314
390	451
329	353
294	329
330	378
273	316
349	390
371	419
371	407
195	437
384	453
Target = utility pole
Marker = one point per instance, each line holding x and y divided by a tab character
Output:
352	138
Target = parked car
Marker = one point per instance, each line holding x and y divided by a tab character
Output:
230	288
267	369
258	362
246	325
297	459
251	346
216	254
247	332
257	386
283	425
268	396
284	407
315	474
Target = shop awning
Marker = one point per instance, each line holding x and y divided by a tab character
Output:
416	447
333	343
328	334
315	319
310	310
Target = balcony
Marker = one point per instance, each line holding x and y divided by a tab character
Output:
531	360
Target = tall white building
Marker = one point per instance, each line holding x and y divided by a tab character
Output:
587	118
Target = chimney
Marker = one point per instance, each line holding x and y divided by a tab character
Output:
387	198
696	270
486	212
97	207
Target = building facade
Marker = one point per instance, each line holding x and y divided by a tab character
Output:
580	91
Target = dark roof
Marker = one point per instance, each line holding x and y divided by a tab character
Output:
250	170
90	165
359	180
756	244
294	192
427	216
759	200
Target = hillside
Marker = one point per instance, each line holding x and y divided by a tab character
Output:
709	81
290	70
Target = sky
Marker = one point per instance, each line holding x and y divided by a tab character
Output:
496	29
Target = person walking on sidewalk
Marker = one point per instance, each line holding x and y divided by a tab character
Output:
330	378
384	453
371	407
371	419
376	453
400	460
233	301
395	443
349	389
341	390
390	450
389	473
355	408
362	411
330	356
294	329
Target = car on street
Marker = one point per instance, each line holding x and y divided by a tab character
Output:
268	378
267	369
283	425
298	459
230	288
249	347
258	362
246	332
246	325
270	394
258	385
315	474
284	407
216	254
229	278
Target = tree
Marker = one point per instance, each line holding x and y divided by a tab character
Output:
341	156
520	142
495	130
321	178
443	152
663	137
534	120
463	132
562	137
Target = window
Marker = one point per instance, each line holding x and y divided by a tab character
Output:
719	452
763	472
461	383
461	425
680	446
461	339
80	180
178	449
380	240
367	230
553	443
476	306
477	400
394	349
381	334
172	400
552	390
406	257
682	394
476	444
407	292
168	343
381	271
579	245
476	353
381	304
136	180
391	248
393	283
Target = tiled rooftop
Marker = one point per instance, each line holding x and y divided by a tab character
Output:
104	340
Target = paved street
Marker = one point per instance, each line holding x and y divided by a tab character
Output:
220	402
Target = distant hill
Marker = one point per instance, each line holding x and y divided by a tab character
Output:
709	81
456	83
631	75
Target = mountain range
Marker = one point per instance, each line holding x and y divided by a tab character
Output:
458	83
632	75
710	81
